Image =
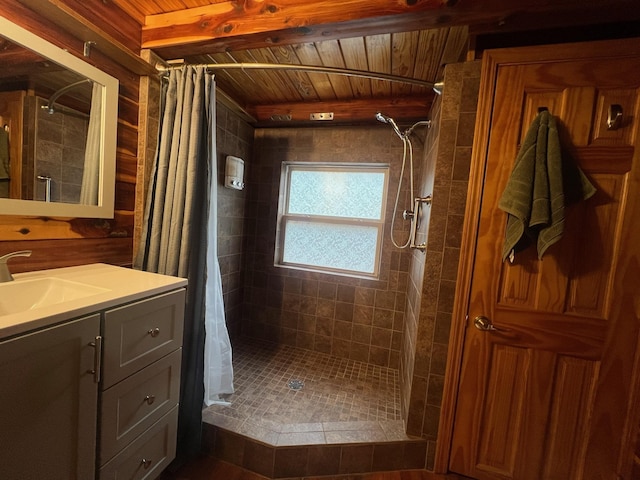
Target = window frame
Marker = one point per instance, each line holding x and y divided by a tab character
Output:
284	217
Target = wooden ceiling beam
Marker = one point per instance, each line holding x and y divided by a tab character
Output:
244	24
238	18
360	111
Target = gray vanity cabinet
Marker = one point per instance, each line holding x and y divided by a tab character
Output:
48	402
140	388
96	396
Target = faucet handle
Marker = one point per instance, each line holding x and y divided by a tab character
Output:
5	274
20	253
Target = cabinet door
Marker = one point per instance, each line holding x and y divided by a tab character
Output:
48	403
140	333
131	406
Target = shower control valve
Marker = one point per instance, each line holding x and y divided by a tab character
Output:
408	214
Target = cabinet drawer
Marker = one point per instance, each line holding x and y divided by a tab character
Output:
134	404
148	455
138	334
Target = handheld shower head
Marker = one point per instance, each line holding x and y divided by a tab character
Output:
381	117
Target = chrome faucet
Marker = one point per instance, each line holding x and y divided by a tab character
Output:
5	274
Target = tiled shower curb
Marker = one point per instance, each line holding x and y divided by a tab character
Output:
280	462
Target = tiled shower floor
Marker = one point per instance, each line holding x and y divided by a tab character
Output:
342	401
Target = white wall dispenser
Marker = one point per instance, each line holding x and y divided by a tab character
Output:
234	173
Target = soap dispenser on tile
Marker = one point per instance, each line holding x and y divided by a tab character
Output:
234	173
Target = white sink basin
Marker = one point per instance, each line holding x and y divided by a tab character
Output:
43	298
23	295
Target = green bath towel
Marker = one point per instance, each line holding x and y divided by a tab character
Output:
534	197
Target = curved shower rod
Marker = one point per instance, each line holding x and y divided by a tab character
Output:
62	91
437	87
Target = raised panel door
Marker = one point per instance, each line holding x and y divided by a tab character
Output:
549	393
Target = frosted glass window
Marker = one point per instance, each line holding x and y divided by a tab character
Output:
331	217
344	194
345	247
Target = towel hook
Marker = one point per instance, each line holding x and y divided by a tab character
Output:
614	116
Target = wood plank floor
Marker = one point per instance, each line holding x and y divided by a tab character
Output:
208	468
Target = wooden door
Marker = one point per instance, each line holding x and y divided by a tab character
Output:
552	393
11	115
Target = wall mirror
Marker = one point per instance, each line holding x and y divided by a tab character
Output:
58	130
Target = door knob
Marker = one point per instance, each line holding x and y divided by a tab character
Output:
614	117
483	323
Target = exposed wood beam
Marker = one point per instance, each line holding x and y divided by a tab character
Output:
402	109
238	18
57	12
244	24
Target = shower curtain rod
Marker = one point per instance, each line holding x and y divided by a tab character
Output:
437	87
57	94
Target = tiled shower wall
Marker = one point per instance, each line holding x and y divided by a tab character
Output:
234	137
417	264
360	319
432	278
54	147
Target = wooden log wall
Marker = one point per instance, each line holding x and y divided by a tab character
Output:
58	242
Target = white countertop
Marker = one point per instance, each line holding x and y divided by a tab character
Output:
121	285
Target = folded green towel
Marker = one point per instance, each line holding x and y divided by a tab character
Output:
534	197
4	154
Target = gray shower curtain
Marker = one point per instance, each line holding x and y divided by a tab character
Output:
174	238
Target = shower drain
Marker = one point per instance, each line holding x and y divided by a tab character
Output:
295	384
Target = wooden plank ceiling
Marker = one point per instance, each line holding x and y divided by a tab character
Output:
296	94
408	38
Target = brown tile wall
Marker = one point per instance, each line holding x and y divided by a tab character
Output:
411	352
234	137
148	125
432	278
361	319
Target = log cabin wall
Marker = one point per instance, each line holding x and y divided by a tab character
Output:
75	241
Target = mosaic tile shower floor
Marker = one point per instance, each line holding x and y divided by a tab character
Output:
342	401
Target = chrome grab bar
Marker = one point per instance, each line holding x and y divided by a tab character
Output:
415	215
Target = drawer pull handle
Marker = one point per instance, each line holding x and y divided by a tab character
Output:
154	332
97	358
150	399
146	463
